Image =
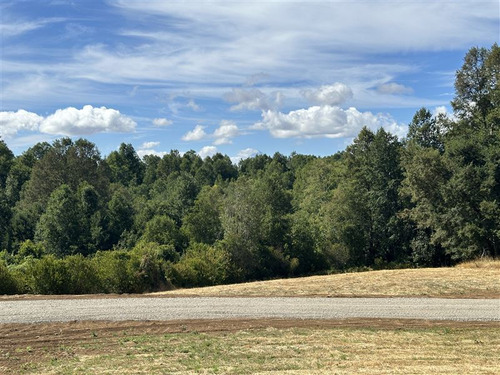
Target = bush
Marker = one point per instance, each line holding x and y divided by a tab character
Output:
47	275
7	281
148	261
29	248
201	265
81	275
113	271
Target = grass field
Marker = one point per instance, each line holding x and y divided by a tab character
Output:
478	279
319	348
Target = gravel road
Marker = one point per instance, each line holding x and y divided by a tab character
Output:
118	309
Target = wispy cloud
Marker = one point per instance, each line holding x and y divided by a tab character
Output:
10	28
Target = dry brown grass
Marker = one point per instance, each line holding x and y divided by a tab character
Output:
479	279
423	350
484	263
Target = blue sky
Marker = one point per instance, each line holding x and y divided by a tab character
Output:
236	77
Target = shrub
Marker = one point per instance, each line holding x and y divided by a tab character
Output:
81	275
201	265
30	248
112	271
148	261
47	275
7	281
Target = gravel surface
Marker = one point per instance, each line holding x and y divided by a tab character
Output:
119	309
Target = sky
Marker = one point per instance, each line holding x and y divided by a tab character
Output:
236	77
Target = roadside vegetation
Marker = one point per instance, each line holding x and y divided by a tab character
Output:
72	221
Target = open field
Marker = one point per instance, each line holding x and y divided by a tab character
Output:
251	347
479	279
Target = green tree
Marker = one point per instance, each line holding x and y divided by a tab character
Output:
312	231
477	88
120	215
163	230
6	160
59	227
425	130
368	200
202	223
5	217
126	166
174	195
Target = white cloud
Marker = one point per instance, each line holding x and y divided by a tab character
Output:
207	151
221	135
244	154
440	110
159	122
225	132
142	153
394	88
86	121
148	148
149	145
69	121
197	134
253	99
325	121
334	94
13	122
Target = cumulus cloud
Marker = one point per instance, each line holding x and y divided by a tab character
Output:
225	132
244	154
441	110
334	94
159	122
88	120
149	145
148	148
394	88
197	134
326	122
145	152
13	122
222	135
69	121
207	151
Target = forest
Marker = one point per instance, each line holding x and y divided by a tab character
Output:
72	221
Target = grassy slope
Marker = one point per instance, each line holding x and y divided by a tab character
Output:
479	279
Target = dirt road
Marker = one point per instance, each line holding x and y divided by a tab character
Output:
167	309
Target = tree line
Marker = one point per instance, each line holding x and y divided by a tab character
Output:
72	221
